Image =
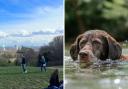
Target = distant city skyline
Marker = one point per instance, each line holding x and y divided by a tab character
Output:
30	22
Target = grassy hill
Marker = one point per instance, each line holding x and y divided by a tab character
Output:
13	78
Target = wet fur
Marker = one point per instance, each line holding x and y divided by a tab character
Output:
111	48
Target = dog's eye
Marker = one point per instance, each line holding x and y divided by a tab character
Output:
82	43
96	43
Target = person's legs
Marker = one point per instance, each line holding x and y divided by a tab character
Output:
44	66
41	67
24	68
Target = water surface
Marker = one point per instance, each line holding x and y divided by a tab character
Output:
96	78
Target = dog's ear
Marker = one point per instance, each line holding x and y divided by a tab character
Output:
114	48
74	49
105	51
73	52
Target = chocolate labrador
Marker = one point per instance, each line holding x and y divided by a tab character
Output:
94	45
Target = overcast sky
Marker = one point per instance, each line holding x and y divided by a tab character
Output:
23	19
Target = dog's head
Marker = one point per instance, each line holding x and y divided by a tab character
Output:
93	45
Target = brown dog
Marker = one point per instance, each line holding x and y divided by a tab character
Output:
95	44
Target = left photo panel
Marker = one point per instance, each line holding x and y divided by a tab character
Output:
31	44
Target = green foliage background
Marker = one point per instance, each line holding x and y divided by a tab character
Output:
108	15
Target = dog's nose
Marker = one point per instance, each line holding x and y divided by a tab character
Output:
83	53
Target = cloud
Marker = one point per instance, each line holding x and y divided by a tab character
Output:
26	38
27	33
35	40
3	34
41	10
45	18
30	22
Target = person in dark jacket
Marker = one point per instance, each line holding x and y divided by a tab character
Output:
42	62
23	64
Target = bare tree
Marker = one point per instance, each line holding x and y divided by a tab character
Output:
54	51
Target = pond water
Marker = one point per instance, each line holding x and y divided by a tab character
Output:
96	78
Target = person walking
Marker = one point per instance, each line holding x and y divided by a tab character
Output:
42	62
23	64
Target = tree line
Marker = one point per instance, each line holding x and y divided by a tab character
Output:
108	15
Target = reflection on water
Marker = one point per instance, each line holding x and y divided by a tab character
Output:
107	77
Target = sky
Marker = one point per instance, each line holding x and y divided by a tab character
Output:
30	21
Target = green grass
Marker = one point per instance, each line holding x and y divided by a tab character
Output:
13	78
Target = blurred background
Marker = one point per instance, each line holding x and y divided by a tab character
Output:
108	15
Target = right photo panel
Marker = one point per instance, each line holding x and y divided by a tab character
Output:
96	44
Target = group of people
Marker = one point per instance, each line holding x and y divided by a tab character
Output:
54	82
42	63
